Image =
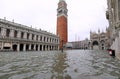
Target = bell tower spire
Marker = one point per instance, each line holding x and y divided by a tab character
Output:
62	22
62	8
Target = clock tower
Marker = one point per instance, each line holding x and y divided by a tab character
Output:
62	31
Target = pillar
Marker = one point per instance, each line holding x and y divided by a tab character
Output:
19	34
38	47
11	33
24	47
2	45
11	46
42	47
29	46
3	32
34	47
18	47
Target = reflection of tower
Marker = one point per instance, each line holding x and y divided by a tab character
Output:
62	22
59	67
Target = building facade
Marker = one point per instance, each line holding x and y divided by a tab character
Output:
99	41
62	31
83	44
17	37
113	16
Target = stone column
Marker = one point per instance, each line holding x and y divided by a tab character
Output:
38	47
38	37
29	46
58	47
25	35
24	47
34	37
3	32
19	34
11	46
2	45
51	47
42	47
11	33
30	37
34	47
18	47
48	47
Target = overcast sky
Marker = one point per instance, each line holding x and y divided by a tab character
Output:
83	15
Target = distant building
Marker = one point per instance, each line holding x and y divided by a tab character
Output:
99	41
84	44
17	37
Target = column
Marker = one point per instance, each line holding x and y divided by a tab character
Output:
19	34
11	46
34	37
11	33
58	47
38	37
24	47
48	47
25	35
29	46
3	32
51	47
34	47
30	37
38	47
18	47
2	45
42	47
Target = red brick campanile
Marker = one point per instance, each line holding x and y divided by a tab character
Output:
62	22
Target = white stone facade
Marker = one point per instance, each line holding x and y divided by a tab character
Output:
99	41
113	16
17	37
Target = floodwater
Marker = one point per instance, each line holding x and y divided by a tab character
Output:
71	64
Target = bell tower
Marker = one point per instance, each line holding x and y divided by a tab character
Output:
62	22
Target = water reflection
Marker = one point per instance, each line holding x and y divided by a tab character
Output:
59	67
72	64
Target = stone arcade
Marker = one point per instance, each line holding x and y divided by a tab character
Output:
17	37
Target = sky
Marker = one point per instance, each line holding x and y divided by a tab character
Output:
83	15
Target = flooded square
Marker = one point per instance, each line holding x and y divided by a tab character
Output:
71	64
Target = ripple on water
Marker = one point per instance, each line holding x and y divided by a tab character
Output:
71	64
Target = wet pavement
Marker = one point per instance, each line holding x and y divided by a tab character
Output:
71	64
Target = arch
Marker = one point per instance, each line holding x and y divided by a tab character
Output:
103	48
102	41
21	47
95	43
32	47
40	47
14	47
27	47
36	47
44	48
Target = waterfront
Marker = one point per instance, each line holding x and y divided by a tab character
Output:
71	64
